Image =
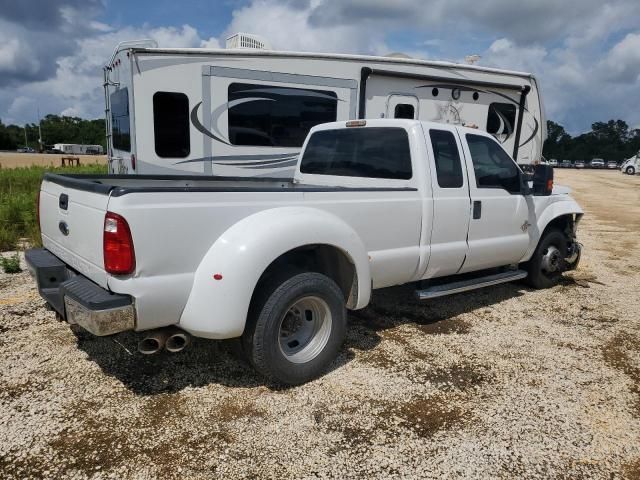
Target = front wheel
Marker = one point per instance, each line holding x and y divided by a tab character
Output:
630	171
547	262
296	328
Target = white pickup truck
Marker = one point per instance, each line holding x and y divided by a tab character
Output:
277	262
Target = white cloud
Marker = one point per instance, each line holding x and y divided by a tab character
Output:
291	28
622	63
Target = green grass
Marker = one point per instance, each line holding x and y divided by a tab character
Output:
11	264
18	190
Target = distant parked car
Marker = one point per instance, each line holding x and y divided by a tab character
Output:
53	150
566	164
579	164
631	166
597	163
612	164
553	162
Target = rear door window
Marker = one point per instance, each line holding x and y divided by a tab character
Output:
377	152
447	159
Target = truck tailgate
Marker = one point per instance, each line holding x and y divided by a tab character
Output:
72	222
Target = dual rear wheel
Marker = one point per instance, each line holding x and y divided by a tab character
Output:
297	323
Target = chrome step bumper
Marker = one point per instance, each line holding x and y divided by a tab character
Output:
76	298
471	284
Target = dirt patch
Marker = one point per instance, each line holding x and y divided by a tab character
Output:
427	415
15	160
446	327
631	470
617	353
422	415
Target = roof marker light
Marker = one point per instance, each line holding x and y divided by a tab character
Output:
356	123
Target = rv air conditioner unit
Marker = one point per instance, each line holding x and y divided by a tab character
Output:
247	40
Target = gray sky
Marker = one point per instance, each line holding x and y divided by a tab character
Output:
586	53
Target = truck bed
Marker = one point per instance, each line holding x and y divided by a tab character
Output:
119	185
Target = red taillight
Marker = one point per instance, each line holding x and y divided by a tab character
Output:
119	256
133	161
38	210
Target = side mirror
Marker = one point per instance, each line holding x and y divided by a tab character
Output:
543	180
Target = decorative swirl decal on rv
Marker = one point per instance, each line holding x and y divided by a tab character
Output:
294	92
196	123
246	160
509	128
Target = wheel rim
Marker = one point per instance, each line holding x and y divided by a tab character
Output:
304	329
551	259
630	171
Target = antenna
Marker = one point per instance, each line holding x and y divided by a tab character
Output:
472	59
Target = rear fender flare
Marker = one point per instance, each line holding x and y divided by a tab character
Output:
217	307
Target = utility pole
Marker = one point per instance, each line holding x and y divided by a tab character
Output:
40	131
26	143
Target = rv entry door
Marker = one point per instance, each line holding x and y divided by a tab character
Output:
402	106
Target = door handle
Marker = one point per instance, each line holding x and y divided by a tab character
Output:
477	209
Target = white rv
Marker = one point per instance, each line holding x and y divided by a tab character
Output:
78	149
245	111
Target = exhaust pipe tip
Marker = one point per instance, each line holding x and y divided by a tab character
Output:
177	342
152	343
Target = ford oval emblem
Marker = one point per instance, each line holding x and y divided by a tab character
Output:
64	228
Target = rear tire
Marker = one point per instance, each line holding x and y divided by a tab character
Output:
545	267
296	327
630	171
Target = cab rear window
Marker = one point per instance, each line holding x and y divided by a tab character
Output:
376	152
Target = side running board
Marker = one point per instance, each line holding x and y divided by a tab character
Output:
471	284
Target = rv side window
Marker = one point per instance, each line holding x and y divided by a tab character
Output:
501	119
375	152
265	115
404	110
120	128
447	159
171	124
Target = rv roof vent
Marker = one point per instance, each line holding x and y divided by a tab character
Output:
397	55
247	40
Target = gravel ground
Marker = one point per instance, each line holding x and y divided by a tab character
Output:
504	382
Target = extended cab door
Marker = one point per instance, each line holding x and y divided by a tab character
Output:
499	212
451	209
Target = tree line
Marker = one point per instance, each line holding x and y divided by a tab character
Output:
55	129
611	141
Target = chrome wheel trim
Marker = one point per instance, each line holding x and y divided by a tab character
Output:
551	260
304	329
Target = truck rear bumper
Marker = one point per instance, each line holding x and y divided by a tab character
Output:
77	299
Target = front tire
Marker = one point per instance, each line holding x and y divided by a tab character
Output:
630	171
546	265
296	327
